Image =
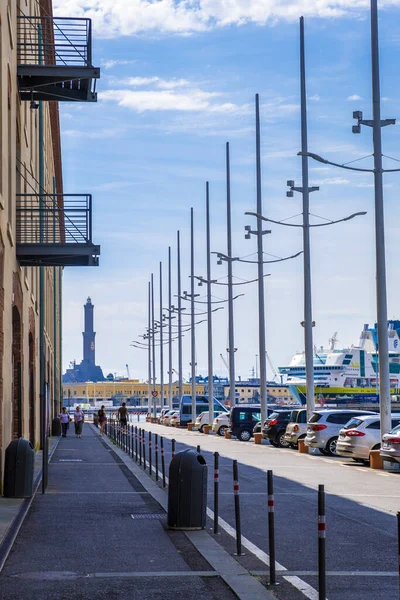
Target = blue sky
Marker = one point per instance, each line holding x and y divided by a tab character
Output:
178	81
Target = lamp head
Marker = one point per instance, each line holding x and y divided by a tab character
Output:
289	194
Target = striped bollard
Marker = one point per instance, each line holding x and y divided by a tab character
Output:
321	543
156	453
237	509
144	448
162	461
150	455
140	446
136	443
173	448
216	490
271	528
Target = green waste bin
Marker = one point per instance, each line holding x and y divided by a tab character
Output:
18	469
187	491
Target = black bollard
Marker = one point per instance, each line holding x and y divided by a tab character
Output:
144	448
132	441
237	509
398	544
136	443
271	528
198	450
321	543
216	490
162	461
150	455
140	447
173	448
156	453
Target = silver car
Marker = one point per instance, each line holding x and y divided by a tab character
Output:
324	426
361	435
390	450
296	429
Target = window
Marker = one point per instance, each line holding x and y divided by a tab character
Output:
373	425
315	418
354	423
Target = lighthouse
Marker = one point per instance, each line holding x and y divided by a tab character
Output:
89	334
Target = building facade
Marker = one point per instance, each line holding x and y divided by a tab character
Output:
247	392
132	391
34	240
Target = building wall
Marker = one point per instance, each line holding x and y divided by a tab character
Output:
248	393
105	390
20	299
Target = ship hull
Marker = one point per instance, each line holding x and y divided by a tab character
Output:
340	395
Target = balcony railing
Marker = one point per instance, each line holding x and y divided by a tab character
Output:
55	58
55	229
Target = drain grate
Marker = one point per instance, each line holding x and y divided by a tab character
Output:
149	516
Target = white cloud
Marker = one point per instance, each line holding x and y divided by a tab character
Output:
315	97
354	97
109	64
127	17
163	84
333	181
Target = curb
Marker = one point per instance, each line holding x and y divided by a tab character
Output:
238	579
8	540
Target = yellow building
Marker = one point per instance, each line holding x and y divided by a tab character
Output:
35	241
248	392
89	393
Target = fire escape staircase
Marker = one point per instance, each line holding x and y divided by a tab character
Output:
55	59
55	230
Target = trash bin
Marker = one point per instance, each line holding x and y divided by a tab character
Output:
18	469
187	492
56	427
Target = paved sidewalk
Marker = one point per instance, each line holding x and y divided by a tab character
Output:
79	541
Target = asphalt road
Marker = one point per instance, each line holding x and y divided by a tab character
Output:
362	557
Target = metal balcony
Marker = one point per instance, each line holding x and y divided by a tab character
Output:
55	230
55	59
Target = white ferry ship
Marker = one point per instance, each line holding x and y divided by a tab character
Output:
347	375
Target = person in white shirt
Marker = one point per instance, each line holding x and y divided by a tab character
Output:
79	418
64	420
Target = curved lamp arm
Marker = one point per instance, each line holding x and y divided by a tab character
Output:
328	162
357	214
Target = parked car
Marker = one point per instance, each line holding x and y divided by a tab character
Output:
169	415
174	419
296	429
275	428
163	412
204	418
324	426
390	450
271	408
221	424
361	435
242	419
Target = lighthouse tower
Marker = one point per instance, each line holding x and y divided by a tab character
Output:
89	334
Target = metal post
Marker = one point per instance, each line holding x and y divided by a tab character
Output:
198	450
179	318
398	544
169	331
144	448
232	386
209	310
192	318
140	447
136	443
216	491
271	528
308	325
154	345
260	265
156	453
162	461
173	444
381	297
237	509
149	344
161	344
150	455
321	544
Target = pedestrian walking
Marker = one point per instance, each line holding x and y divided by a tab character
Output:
123	416
64	420
79	419
102	419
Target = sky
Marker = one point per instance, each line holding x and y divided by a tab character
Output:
178	80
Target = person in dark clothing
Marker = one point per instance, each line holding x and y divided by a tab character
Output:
123	416
102	419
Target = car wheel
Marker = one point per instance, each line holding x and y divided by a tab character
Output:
221	431
273	443
280	440
245	435
201	428
330	448
324	452
294	446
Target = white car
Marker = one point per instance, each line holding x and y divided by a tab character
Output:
175	418
168	416
361	435
204	419
221	424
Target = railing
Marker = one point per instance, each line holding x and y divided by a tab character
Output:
54	219
54	41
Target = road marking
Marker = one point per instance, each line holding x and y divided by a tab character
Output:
334	573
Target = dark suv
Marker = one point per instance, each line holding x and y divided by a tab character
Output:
275	428
242	419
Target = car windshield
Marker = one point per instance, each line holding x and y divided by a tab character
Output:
395	429
274	415
353	423
315	418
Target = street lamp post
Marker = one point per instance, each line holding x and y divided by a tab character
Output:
231	350
149	344
153	344
192	317
180	383
161	343
170	372
209	308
